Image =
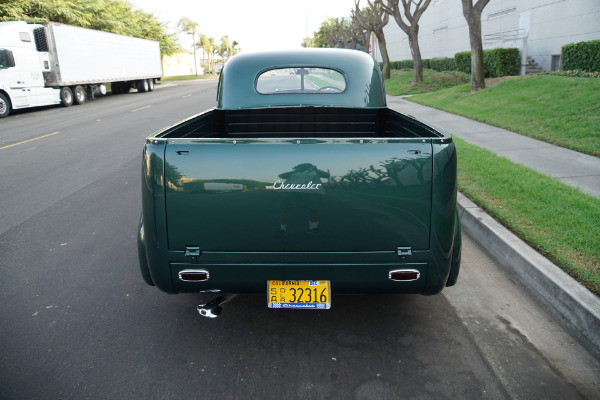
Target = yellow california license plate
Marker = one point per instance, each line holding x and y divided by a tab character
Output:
299	294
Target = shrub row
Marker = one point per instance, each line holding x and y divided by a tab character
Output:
573	74
497	62
438	64
583	56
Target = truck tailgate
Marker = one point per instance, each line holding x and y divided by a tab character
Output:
228	195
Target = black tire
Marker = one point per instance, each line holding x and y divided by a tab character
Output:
4	106
66	96
79	95
150	85
116	88
142	85
456	252
143	260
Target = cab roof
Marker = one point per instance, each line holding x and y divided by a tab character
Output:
364	80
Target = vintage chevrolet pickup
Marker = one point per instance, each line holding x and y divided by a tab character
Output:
300	185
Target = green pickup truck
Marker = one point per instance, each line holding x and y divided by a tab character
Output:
301	184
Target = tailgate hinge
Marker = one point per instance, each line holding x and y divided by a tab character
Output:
404	251
193	251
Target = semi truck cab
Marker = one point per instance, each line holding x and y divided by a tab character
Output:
22	68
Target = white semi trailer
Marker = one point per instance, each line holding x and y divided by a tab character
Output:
52	63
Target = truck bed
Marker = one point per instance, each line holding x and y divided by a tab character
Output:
300	122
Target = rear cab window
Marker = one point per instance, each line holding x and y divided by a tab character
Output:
299	79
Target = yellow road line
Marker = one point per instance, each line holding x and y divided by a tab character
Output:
30	140
187	95
138	109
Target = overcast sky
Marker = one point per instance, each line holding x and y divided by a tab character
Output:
255	24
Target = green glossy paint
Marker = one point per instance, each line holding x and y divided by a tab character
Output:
369	179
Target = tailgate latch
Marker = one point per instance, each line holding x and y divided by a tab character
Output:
193	251
404	251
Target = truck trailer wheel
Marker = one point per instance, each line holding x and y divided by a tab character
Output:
142	85
150	84
4	106
79	94
66	96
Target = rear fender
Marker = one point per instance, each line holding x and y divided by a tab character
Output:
443	215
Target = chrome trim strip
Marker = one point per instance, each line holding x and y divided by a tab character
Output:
404	270
194	271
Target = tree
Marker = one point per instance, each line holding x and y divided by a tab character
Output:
351	35
410	27
210	48
225	49
327	35
373	19
191	28
207	47
116	16
472	14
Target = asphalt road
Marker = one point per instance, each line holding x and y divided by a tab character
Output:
78	322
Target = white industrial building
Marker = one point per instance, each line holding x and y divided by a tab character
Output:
538	28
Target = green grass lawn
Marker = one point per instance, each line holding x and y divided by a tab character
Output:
560	110
401	81
557	220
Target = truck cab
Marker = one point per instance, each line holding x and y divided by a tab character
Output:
23	62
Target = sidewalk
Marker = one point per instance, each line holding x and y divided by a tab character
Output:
575	307
570	167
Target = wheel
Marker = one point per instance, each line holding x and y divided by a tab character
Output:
126	87
66	96
116	87
4	106
79	95
150	85
142	85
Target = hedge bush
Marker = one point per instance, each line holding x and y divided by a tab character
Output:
462	60
573	74
438	64
501	62
583	56
406	64
496	62
442	64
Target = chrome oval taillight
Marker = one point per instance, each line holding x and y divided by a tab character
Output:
194	275
404	275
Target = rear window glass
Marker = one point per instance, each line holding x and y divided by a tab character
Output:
300	80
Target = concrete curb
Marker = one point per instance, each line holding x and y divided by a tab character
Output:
575	307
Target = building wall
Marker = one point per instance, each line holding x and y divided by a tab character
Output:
539	28
182	63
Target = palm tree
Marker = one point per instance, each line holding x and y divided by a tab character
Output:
225	48
235	48
207	45
191	28
203	44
